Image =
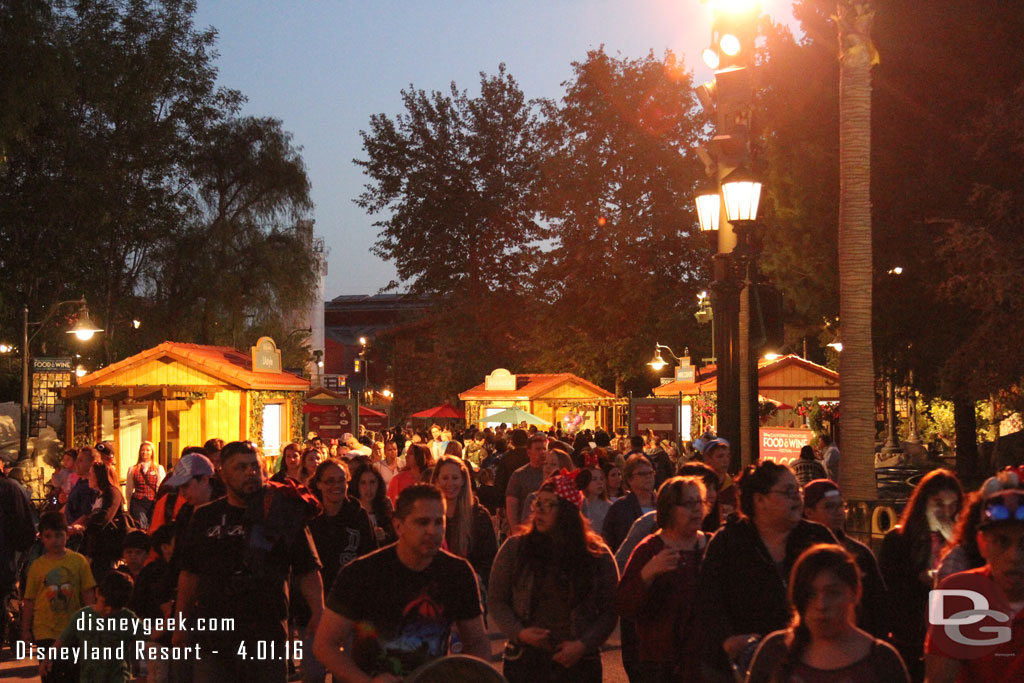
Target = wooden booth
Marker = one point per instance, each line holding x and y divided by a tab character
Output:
178	395
559	397
785	381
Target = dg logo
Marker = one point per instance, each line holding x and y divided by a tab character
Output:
964	623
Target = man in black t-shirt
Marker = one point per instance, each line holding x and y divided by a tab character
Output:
235	563
393	610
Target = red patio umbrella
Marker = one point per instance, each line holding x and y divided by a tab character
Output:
443	411
370	412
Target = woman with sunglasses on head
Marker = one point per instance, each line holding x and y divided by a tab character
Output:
658	590
746	568
549	591
823	642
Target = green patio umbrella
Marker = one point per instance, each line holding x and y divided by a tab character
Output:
514	416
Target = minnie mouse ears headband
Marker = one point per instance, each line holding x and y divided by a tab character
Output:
565	486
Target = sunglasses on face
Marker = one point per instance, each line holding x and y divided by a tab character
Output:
1005	508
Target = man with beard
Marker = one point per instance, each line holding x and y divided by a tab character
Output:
392	611
236	559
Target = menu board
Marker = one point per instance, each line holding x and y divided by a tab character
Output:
49	376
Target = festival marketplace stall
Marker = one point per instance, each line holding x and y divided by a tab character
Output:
560	398
178	395
791	391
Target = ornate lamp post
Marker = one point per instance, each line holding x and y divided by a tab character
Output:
83	329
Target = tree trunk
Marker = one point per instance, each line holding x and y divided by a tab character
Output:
856	362
965	424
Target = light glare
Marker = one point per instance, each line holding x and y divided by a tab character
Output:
710	57
730	44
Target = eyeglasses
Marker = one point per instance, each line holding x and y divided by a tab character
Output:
788	492
835	507
543	505
694	505
643	473
333	480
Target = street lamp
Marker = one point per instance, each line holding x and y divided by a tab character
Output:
83	329
709	206
741	191
658	362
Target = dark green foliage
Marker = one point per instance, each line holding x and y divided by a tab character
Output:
627	258
559	235
116	144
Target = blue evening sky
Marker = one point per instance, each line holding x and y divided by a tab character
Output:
324	66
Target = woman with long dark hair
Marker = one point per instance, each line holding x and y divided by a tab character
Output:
289	465
468	531
368	489
311	459
909	557
823	642
142	482
105	526
962	552
550	591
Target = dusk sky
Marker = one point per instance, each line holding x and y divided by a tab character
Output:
324	66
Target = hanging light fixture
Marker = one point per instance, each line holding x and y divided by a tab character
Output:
84	328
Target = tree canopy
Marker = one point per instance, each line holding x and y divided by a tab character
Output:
559	235
127	176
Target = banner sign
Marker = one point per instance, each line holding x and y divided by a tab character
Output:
783	445
52	365
49	376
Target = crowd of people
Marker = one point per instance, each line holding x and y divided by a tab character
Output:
370	557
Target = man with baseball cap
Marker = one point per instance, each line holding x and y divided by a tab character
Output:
824	504
977	633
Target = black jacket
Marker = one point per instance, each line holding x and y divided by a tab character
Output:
741	590
872	614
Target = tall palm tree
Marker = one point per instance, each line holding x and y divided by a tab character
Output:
856	363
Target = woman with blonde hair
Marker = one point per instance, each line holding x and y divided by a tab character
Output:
468	532
143	480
